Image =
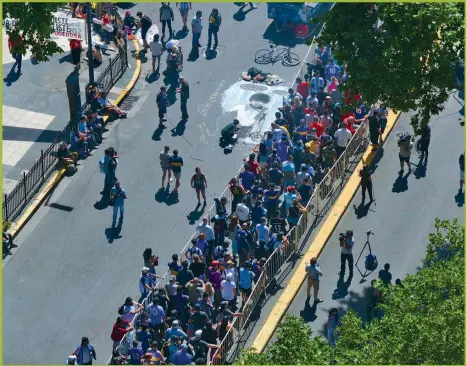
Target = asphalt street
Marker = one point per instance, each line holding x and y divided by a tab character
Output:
401	217
70	265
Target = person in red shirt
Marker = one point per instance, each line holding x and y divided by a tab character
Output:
14	41
76	48
318	126
352	97
106	21
302	88
253	165
120	328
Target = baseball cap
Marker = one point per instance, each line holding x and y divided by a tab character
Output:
71	358
215	263
307	110
230	276
175	324
197	306
145	270
290	188
230	262
198	333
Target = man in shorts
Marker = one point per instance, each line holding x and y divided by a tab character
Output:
245	281
199	183
166	165
144	23
184	11
176	163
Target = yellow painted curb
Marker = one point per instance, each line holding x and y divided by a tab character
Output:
327	229
58	176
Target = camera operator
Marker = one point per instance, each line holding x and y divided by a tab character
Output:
346	244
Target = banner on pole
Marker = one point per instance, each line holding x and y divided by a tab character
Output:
66	27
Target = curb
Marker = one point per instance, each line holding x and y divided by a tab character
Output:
334	216
18	225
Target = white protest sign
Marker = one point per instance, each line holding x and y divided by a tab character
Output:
66	27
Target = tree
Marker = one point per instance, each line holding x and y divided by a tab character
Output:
423	321
404	54
34	23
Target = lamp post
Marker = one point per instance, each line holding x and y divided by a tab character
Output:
90	56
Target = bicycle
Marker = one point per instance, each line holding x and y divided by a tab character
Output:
274	54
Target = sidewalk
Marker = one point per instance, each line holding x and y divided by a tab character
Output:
35	106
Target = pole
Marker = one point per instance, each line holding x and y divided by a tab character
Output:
89	41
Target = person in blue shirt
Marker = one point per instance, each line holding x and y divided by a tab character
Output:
245	281
305	190
182	357
135	354
247	177
272	196
257	191
302	130
118	196
85	352
316	82
175	331
332	69
176	163
257	213
144	336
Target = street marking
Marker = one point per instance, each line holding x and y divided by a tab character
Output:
203	109
327	229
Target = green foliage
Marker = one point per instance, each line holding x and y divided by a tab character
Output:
34	22
423	321
401	53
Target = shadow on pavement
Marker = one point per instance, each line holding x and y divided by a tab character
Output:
342	288
61	207
179	129
156	136
210	54
459	198
193	55
284	38
196	214
171	82
11	77
181	34
309	312
163	195
66	58
103	203
125	5
240	15
401	183
152	77
362	210
114	233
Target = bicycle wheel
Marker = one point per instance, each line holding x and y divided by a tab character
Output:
290	59
263	57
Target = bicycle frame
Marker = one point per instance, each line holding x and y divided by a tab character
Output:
277	55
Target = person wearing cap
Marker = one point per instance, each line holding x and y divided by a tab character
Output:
230	269
130	308
228	288
245	281
182	357
199	346
65	157
284	147
71	360
199	183
198	319
342	137
175	331
120	328
290	195
184	96
85	352
157	318
145	283
223	312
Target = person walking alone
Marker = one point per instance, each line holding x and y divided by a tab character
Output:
184	96
346	244
313	278
184	11
156	48
214	26
176	163
366	182
166	18
199	183
117	197
196	25
85	352
423	145
165	165
162	103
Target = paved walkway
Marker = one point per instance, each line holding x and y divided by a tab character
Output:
35	106
402	218
69	261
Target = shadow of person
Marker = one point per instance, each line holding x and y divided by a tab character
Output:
113	233
196	214
12	76
156	136
210	54
362	210
103	203
421	167
401	183
182	33
179	129
342	287
172	199
66	58
162	194
459	198
152	77
194	54
385	276
309	312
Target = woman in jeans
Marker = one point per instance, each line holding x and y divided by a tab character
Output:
233	228
332	324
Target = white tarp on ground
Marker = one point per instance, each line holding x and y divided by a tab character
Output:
153	30
64	26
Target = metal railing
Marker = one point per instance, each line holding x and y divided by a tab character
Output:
15	201
295	237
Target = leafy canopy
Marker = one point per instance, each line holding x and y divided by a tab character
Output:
34	23
423	321
399	53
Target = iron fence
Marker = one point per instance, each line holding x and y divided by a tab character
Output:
15	201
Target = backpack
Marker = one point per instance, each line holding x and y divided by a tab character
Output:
371	262
71	170
253	72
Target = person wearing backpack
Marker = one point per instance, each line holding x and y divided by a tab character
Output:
144	23
214	25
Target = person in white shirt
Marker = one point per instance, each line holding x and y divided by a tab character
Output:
228	289
263	231
313	278
130	309
242	212
231	270
156	48
342	137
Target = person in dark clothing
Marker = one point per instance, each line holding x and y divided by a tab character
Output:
162	103
214	25
144	23
185	275
229	132
166	18
374	129
366	182
423	144
461	162
184	96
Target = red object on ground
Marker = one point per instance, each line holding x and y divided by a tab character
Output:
302	31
